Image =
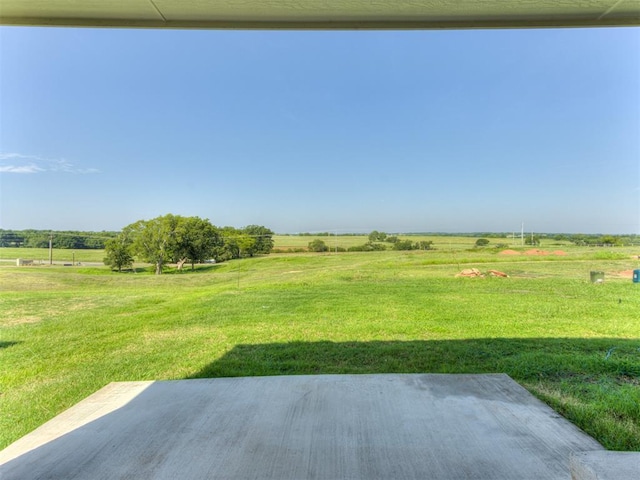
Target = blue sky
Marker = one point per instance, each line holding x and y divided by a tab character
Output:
399	131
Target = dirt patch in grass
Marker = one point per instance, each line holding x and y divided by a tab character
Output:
24	314
21	320
625	379
623	274
535	251
470	272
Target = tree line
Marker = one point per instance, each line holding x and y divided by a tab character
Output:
375	244
67	239
176	239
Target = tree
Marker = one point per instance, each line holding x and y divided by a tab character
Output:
482	242
235	243
367	247
37	239
172	238
377	236
317	245
155	240
196	240
403	245
609	241
532	240
424	245
9	238
246	244
263	239
118	252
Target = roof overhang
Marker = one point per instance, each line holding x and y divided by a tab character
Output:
321	14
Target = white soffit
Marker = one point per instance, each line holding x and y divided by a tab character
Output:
321	14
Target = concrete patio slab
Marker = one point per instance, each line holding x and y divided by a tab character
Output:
292	427
603	465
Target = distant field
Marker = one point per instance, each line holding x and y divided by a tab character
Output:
66	332
439	242
295	242
59	254
346	241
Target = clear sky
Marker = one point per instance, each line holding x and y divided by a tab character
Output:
398	131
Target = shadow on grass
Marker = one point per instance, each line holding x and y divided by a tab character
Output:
166	270
7	344
186	269
595	383
522	359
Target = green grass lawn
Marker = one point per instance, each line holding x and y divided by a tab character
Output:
66	332
39	255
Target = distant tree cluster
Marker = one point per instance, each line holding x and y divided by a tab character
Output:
605	240
320	234
409	245
67	239
367	247
376	238
585	239
533	240
318	246
176	239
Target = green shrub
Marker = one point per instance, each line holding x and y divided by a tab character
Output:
367	247
318	245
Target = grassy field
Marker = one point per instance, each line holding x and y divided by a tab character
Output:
66	332
288	243
41	255
293	242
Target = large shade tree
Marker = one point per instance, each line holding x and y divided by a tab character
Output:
155	241
196	240
173	238
263	239
236	243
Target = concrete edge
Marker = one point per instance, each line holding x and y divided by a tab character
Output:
604	465
111	397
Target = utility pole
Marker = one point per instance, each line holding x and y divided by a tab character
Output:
522	234
50	248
